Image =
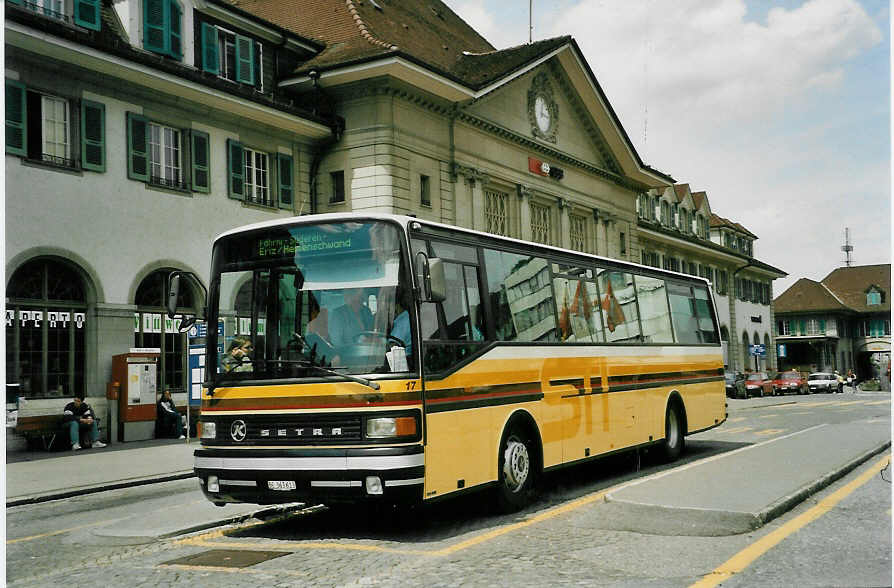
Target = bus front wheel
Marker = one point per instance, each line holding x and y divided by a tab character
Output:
516	473
673	433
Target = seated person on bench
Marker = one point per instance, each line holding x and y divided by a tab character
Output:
167	417
78	418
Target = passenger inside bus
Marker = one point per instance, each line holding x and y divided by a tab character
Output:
317	335
350	319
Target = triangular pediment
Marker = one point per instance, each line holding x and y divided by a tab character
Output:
543	107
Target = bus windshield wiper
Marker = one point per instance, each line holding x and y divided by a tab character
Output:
358	379
313	365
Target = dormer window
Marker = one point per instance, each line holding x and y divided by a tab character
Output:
84	13
231	56
874	297
162	22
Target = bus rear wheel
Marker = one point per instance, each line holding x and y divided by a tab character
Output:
516	471
673	443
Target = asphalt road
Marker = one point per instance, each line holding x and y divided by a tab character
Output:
571	536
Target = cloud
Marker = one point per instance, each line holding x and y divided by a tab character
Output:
698	56
782	117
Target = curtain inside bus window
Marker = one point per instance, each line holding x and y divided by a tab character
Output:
618	306
654	314
575	311
706	327
682	306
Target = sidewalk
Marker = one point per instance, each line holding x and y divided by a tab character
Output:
36	476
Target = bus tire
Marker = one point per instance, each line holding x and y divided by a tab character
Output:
674	439
516	462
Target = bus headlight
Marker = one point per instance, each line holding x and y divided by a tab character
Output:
382	427
209	430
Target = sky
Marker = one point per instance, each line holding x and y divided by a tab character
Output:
779	110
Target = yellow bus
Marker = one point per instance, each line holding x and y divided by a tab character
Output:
387	358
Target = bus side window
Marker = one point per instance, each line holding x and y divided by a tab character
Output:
705	322
682	305
618	304
653	311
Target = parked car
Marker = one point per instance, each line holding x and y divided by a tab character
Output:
758	384
823	382
735	385
790	381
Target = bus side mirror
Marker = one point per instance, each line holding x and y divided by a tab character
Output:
430	273
173	294
436	286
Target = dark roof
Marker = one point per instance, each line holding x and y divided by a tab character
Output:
680	190
479	69
719	221
806	295
357	31
699	198
851	283
843	290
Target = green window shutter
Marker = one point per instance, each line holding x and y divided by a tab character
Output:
86	14
802	328
16	117
210	58
93	136
174	42
245	60
284	165
201	180
154	29
822	327
137	147
236	169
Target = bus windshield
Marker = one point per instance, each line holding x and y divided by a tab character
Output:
295	299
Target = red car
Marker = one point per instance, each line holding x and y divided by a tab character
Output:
758	384
791	381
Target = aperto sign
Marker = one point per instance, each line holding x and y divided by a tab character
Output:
54	318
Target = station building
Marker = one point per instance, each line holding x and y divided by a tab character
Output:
138	130
842	322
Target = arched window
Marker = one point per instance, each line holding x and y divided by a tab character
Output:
153	328
46	319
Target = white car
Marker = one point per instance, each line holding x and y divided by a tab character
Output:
822	382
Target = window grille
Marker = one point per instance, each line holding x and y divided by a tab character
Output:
578	233
496	212
540	225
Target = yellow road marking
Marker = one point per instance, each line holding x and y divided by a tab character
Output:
735	430
747	556
767	432
60	531
877	402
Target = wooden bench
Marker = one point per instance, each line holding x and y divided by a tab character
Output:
47	428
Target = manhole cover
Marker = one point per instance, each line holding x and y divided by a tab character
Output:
226	558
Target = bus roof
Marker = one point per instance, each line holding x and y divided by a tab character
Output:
405	221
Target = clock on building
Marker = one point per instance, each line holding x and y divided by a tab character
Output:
543	111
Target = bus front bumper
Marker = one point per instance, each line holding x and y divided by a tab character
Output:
277	476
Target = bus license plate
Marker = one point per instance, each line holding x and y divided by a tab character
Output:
281	484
